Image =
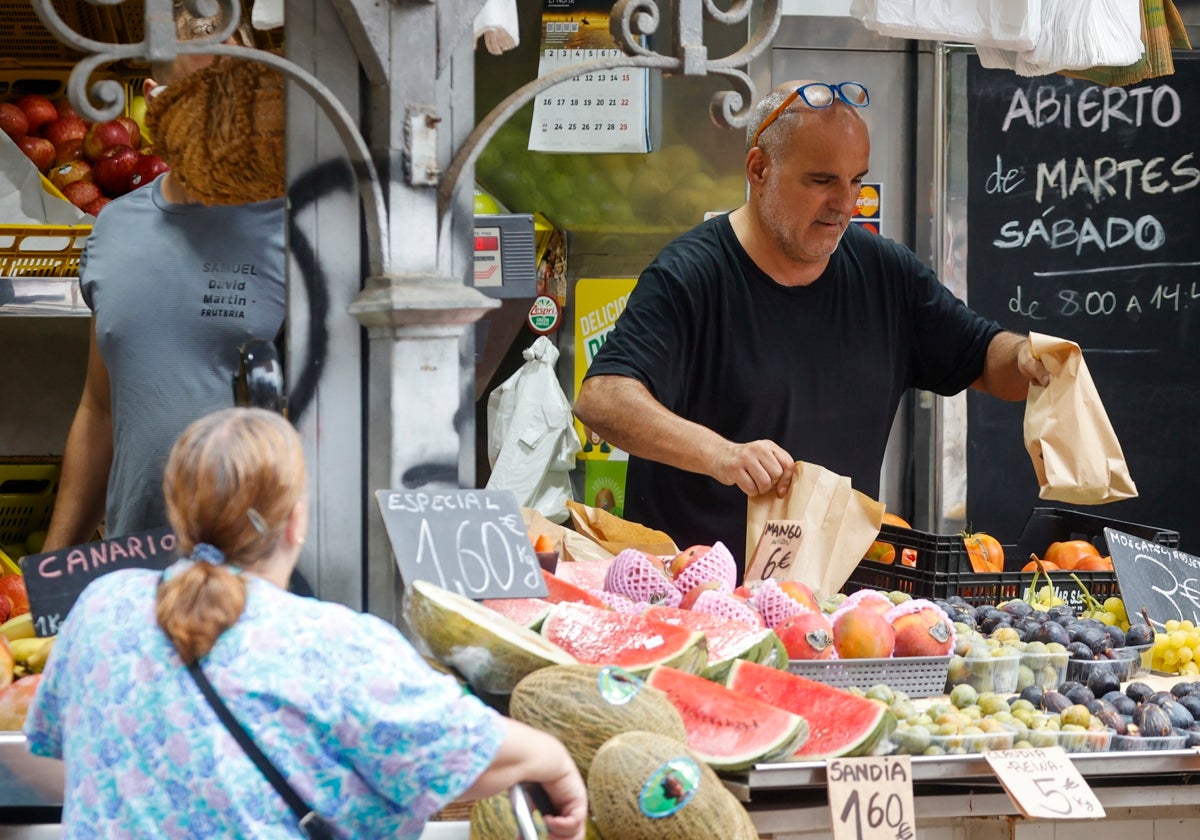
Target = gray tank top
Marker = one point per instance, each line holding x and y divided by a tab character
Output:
175	290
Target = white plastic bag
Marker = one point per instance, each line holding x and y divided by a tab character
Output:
531	438
1004	24
1076	35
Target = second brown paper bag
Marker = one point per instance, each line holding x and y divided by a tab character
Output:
1074	449
838	525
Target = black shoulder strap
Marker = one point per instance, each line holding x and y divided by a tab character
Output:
312	824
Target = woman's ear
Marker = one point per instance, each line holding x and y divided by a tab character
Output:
297	524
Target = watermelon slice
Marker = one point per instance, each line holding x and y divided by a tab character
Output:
491	652
727	640
730	731
528	612
634	642
586	574
560	590
839	723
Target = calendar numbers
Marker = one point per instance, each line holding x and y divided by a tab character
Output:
597	110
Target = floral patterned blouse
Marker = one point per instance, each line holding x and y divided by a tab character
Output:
364	730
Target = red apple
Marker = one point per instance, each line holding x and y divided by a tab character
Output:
96	206
149	167
135	131
64	129
103	136
38	110
69	151
13	121
112	171
68	173
39	150
82	193
64	107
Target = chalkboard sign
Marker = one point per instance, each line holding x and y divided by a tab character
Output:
1081	223
1163	581
472	542
55	579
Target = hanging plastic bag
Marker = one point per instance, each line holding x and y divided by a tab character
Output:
531	438
1004	24
1077	34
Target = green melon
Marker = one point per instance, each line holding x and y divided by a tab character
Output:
633	642
839	723
585	705
492	819
636	769
491	652
726	640
730	731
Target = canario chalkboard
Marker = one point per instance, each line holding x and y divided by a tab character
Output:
1082	212
55	579
472	542
1163	581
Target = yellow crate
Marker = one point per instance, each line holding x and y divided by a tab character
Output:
27	493
41	251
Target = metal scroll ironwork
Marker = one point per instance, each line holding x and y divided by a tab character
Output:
631	20
161	45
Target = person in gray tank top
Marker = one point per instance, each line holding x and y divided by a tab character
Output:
175	288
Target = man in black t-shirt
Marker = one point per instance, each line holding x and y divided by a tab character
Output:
781	332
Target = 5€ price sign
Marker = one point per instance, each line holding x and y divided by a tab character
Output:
1044	784
871	798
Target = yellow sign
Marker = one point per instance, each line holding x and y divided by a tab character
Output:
598	303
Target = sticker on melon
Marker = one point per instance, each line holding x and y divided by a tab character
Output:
839	723
726	640
637	778
729	731
633	642
491	652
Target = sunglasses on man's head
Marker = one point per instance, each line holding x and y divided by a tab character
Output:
818	95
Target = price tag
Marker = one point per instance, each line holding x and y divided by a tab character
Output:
55	579
598	110
871	798
472	542
777	547
1044	784
1153	577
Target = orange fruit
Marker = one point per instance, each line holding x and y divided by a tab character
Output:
1032	566
879	549
1094	564
14	587
985	552
889	556
1068	553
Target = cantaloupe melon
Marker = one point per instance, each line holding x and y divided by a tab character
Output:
491	652
585	705
643	786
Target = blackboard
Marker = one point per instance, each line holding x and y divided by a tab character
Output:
1164	581
1081	223
55	579
472	542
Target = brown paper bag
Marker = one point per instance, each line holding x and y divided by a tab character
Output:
572	546
614	533
838	525
1074	449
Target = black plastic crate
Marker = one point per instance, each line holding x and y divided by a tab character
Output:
1047	525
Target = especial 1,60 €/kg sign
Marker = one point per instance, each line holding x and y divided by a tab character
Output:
472	542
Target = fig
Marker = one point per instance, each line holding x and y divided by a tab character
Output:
1116	634
1102	681
1180	717
1080	651
1016	608
1138	635
1032	693
1182	689
1120	702
1152	721
1138	692
1052	701
1160	697
1097	704
1111	719
1051	632
1080	695
1191	702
